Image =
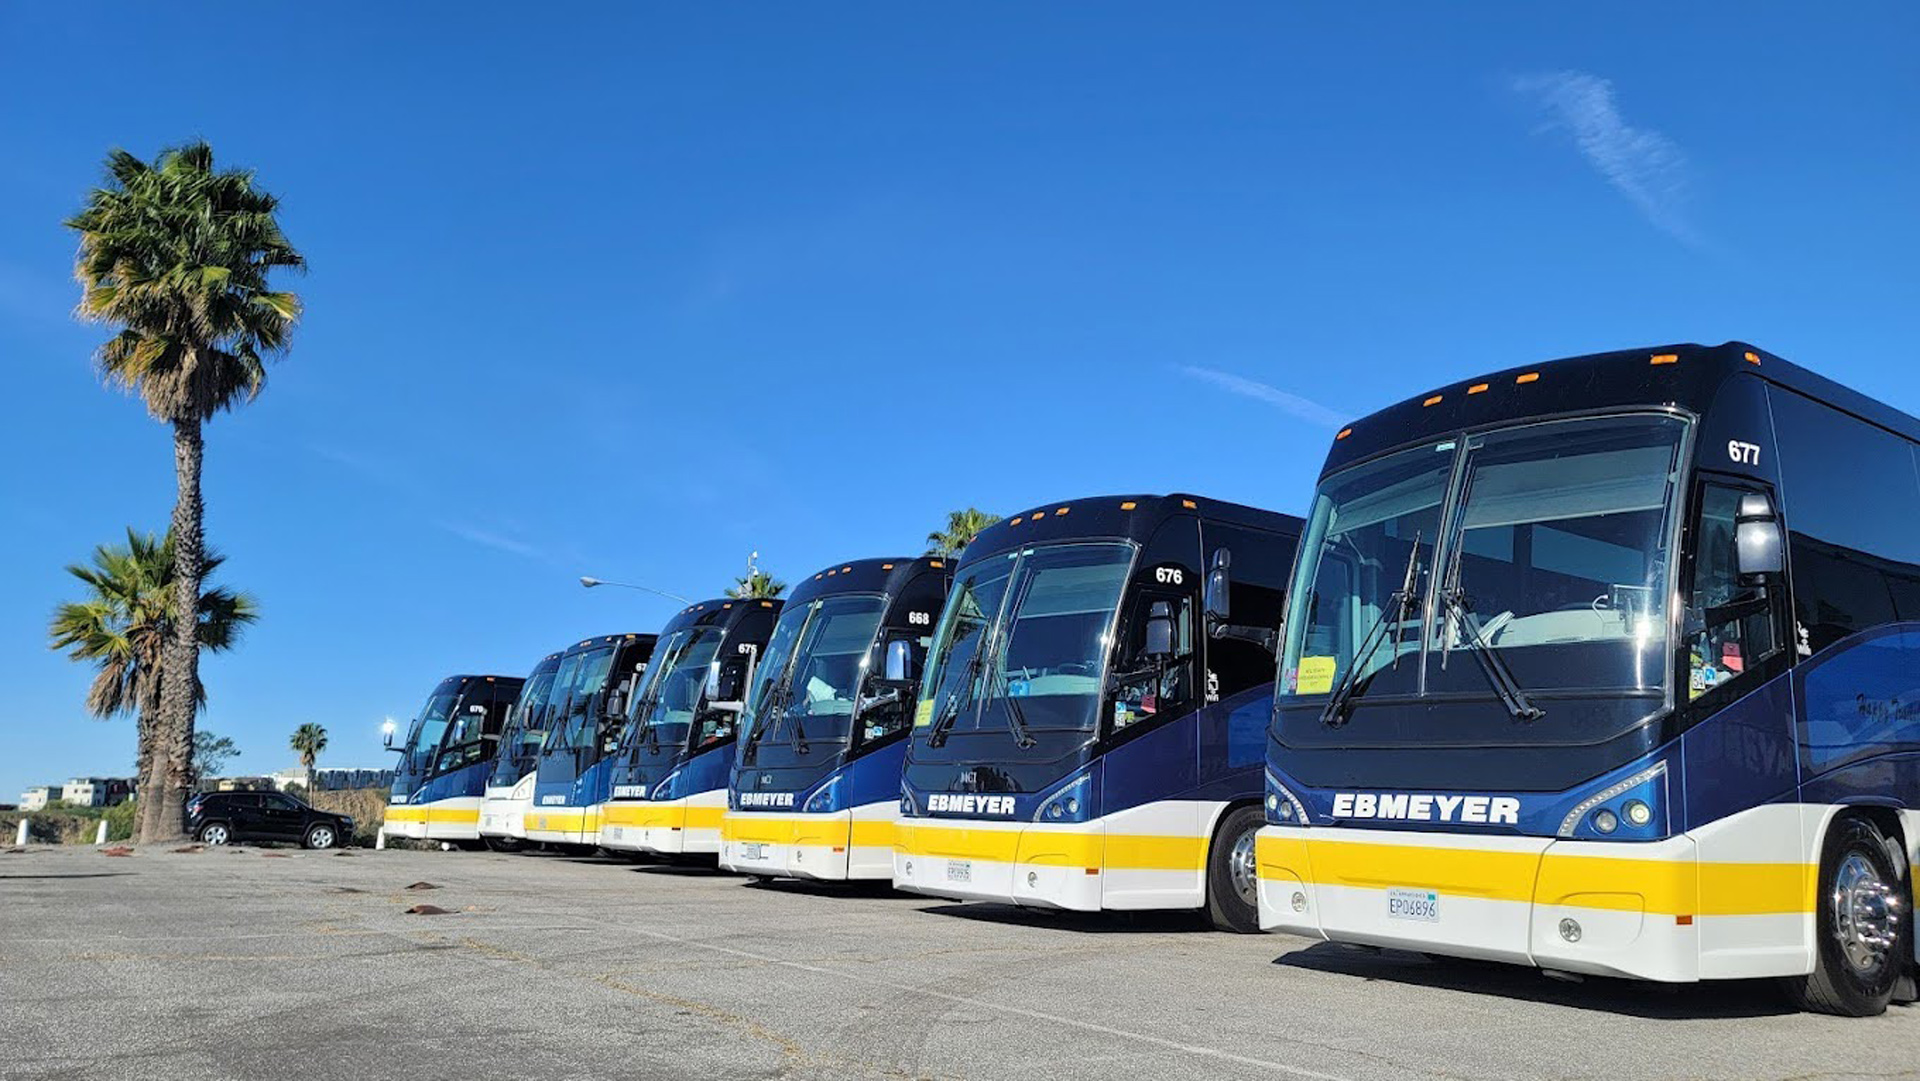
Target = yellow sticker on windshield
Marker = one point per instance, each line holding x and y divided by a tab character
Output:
923	714
1316	675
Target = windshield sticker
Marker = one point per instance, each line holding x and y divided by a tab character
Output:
1316	675
923	713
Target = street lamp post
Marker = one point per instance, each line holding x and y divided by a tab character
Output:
590	582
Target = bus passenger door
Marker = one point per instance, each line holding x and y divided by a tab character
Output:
1155	828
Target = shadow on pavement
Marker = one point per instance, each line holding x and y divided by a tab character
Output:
82	874
812	887
1086	923
1605	994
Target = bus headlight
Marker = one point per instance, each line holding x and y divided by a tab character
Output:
826	799
664	790
1283	807
1068	803
1633	808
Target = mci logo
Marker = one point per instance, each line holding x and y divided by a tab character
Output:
951	803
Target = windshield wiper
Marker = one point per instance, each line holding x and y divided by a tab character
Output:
937	735
1016	715
1498	674
1401	604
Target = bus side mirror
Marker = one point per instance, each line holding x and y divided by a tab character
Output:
898	667
724	679
1159	630
1758	551
1218	581
617	701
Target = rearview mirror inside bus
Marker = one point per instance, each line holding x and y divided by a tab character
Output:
1756	538
1218	581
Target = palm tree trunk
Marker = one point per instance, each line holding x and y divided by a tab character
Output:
180	669
146	792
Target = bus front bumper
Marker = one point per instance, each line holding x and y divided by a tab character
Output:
504	816
855	844
1618	909
442	820
1019	863
562	825
687	826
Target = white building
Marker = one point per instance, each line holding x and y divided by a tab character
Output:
95	791
37	797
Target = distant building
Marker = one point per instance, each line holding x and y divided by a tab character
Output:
95	791
236	784
334	780
37	797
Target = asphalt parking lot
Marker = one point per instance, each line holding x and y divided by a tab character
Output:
240	964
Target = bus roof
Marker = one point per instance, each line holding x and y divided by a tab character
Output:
882	575
1685	375
599	641
1127	517
720	611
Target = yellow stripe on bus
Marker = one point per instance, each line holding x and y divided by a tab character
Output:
427	812
1152	852
1670	887
668	815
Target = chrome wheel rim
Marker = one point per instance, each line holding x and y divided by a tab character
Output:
1866	914
322	838
1242	869
214	835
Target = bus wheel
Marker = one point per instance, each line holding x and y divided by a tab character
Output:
504	844
1233	882
1863	926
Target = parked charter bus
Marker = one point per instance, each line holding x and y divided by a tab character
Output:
1611	665
442	774
816	779
668	787
573	773
1089	730
509	789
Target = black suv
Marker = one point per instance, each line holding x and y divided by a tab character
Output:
218	818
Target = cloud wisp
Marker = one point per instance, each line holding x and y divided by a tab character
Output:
1292	404
1643	165
494	540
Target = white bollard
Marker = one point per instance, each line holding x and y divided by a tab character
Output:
379	840
20	839
100	835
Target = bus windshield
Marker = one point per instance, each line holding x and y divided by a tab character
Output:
576	729
1555	561
816	661
1022	645
663	711
520	740
423	742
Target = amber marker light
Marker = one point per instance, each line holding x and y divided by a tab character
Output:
1528	377
1344	432
1189	504
1477	388
1753	358
1665	358
1059	512
1435	400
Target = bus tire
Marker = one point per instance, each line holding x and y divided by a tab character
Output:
1232	883
1863	924
504	844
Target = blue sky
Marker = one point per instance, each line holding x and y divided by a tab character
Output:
633	290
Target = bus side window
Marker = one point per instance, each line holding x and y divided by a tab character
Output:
1729	625
1145	685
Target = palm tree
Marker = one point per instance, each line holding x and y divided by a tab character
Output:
962	527
308	741
122	628
757	584
176	255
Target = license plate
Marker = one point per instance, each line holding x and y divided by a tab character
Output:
753	850
959	870
1421	905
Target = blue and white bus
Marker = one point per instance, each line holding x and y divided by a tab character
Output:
816	779
1611	665
668	785
442	774
509	789
1089	730
573	774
